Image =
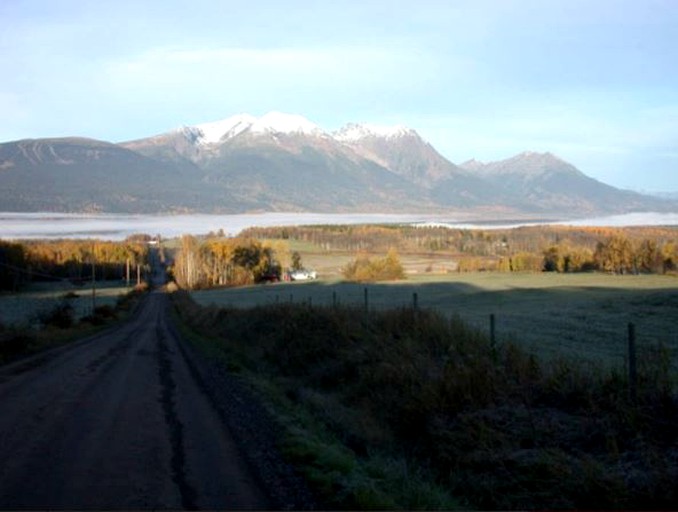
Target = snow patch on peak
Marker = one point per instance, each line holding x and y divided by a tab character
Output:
277	122
271	123
224	129
354	132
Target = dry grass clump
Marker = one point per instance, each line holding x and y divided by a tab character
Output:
494	425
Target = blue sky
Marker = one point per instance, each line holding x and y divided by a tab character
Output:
594	82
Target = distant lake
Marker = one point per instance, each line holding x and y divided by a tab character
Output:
118	227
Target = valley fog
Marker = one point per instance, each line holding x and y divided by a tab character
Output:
119	226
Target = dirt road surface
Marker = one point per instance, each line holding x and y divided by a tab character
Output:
119	422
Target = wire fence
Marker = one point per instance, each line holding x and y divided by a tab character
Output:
587	330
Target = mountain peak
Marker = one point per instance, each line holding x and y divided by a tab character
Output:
526	164
270	123
209	133
537	156
472	165
353	132
279	122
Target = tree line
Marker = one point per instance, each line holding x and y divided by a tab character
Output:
533	248
28	261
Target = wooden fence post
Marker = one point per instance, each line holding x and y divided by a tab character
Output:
493	331
367	301
633	369
415	301
334	298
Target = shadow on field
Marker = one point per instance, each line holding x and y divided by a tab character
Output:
487	421
586	322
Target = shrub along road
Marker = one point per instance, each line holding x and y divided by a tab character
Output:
121	421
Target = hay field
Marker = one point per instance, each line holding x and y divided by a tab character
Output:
580	315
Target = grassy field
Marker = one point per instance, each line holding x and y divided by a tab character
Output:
25	308
488	426
329	264
579	315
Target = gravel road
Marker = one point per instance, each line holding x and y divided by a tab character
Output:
129	420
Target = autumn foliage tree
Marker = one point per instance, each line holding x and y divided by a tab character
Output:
23	262
615	255
227	262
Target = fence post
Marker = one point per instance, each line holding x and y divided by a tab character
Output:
633	369
334	298
367	302
493	330
415	301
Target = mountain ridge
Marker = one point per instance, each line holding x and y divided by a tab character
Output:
284	162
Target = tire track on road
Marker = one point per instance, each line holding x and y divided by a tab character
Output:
174	425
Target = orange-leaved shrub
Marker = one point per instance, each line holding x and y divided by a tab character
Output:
363	268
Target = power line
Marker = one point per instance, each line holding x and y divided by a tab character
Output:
32	273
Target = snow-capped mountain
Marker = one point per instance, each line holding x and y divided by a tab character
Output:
273	123
398	149
285	162
207	142
216	131
279	123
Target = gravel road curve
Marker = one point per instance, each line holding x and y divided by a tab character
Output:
128	420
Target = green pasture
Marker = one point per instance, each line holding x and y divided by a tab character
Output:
24	308
580	315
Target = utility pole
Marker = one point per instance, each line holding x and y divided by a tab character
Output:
94	285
